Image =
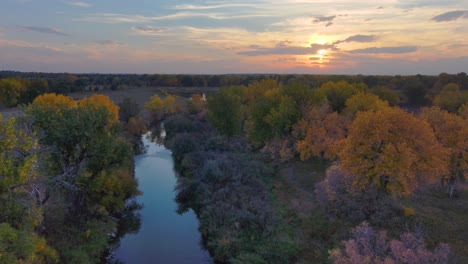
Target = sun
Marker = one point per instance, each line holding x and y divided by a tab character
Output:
322	52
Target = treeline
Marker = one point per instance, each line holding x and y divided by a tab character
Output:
378	155
22	87
66	175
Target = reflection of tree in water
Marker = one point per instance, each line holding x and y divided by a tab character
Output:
128	222
157	133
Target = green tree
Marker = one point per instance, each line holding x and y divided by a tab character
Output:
451	98
387	94
225	111
338	92
128	108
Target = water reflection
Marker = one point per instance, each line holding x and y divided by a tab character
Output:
164	235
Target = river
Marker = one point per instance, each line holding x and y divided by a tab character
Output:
164	236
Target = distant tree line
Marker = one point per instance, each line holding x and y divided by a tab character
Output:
24	86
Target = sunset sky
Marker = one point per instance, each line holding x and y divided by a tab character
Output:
282	36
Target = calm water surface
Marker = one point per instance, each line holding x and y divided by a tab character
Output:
164	236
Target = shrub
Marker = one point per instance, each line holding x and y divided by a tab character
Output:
342	199
369	246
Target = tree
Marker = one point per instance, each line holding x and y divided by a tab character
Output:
19	185
128	108
196	103
368	246
452	132
318	132
155	106
20	191
99	100
54	102
84	141
355	203
225	112
387	94
34	88
392	149
11	91
363	102
463	111
338	92
451	98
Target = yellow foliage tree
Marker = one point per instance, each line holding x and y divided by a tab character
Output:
99	100
170	104
394	150
452	132
54	101
320	130
155	106
364	102
463	111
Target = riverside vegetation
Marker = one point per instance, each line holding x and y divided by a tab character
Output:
276	172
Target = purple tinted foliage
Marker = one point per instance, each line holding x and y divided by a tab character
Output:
341	198
369	246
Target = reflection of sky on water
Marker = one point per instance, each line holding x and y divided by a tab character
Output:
164	236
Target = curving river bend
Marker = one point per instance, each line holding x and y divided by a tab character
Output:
164	236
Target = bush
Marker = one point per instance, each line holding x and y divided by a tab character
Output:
344	200
369	246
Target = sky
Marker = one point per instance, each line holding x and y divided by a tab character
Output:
385	37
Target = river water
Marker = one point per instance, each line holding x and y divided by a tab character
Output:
164	236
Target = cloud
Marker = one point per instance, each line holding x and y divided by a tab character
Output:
123	18
358	38
386	50
324	19
23	46
44	30
107	42
450	16
81	4
286	50
206	7
329	24
149	30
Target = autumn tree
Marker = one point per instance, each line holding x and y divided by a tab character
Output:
54	102
20	192
318	132
452	132
368	246
337	93
84	139
392	149
155	106
363	102
463	111
99	100
90	171
19	185
196	103
11	91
